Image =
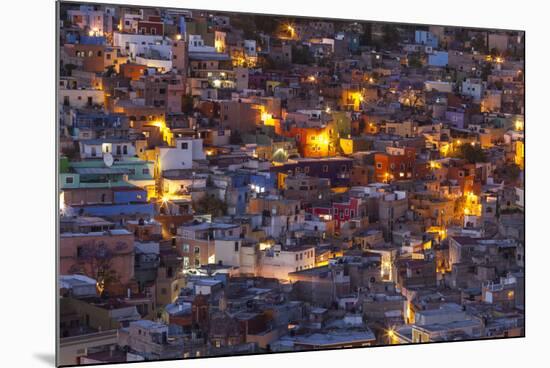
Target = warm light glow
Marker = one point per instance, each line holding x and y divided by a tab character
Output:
311	78
518	125
217	83
62	205
290	28
178	37
327	110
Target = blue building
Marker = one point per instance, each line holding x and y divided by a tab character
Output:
99	123
438	58
426	38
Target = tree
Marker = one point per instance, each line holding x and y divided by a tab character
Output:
187	104
95	261
301	55
414	61
67	70
510	172
366	37
211	205
478	43
472	154
235	137
390	35
362	126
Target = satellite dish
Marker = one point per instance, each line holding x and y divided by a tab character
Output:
108	159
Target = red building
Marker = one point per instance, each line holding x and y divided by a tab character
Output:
397	163
152	26
339	211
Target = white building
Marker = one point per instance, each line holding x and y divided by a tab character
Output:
96	148
277	262
136	44
181	156
438	86
196	44
473	87
81	97
174	184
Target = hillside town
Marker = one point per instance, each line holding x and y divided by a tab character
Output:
235	184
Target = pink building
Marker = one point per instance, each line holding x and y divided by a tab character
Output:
106	256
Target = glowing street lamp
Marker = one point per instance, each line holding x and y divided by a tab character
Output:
291	29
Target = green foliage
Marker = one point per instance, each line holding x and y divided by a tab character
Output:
235	137
509	172
414	61
472	154
366	37
486	70
390	35
187	105
478	43
211	206
67	70
301	55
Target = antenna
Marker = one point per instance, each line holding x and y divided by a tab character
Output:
108	159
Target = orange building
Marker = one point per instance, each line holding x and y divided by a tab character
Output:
314	141
397	163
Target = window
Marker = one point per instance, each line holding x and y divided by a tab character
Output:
184	145
69	180
197	250
145	171
236	246
378	165
186	248
325	168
